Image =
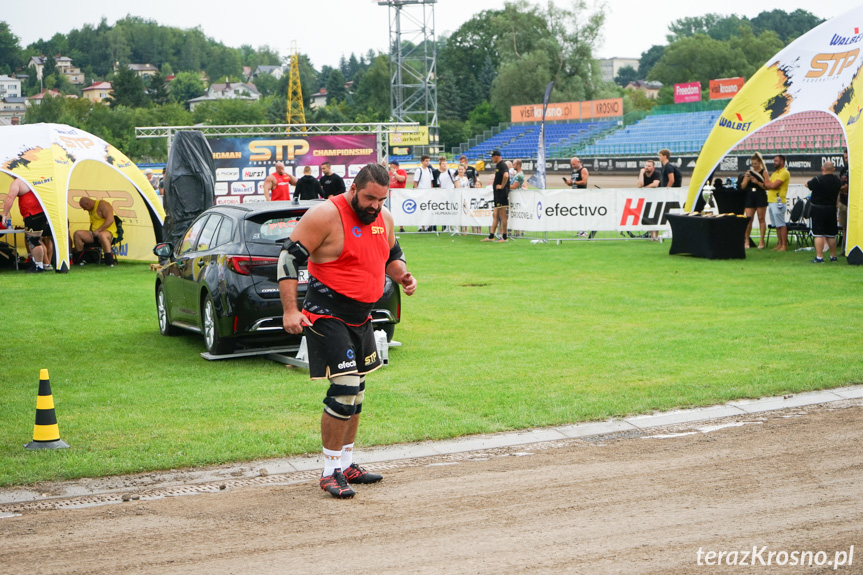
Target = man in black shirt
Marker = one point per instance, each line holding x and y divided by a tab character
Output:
500	186
307	187
648	177
578	178
843	199
825	191
332	183
670	176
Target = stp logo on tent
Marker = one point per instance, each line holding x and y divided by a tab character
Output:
832	64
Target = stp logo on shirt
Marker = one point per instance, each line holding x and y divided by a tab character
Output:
376	230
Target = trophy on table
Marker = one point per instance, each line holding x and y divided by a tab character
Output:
710	207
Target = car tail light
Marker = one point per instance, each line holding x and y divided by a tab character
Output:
399	311
243	265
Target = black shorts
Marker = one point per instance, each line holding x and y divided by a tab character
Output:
38	223
757	199
501	198
824	224
336	348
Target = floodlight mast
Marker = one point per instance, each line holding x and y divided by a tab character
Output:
413	67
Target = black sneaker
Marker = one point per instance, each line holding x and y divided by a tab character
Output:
35	270
817	261
356	474
336	485
834	259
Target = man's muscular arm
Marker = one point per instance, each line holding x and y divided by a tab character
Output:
397	269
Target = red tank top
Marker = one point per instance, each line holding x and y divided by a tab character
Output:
282	189
359	271
29	205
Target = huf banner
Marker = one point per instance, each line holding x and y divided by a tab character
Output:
62	164
820	71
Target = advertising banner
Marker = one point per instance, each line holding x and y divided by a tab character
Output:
418	136
690	92
588	110
540	210
725	88
242	164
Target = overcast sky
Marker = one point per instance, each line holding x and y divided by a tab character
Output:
328	29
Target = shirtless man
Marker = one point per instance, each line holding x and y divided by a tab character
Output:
349	245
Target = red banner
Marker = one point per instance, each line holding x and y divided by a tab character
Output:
725	88
690	92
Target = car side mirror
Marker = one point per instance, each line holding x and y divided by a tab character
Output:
164	250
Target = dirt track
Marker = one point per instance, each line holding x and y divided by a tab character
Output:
790	480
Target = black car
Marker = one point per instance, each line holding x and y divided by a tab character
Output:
221	279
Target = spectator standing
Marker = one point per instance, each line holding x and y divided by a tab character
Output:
777	192
277	186
423	176
579	176
648	177
470	172
500	188
825	192
308	187
518	181
670	176
753	183
331	182
398	177
444	175
842	202
38	232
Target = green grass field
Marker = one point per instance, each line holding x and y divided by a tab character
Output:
498	337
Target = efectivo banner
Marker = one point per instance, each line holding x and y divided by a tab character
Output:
242	164
547	210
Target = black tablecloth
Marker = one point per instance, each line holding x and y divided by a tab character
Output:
715	238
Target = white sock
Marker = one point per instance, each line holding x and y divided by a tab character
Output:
332	461
347	456
38	264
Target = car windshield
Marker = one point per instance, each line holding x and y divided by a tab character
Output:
270	228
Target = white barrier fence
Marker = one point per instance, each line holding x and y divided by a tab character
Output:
616	210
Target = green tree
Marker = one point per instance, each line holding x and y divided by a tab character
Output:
229	111
49	66
521	82
336	90
185	86
649	59
625	75
11	57
372	96
127	89
483	117
788	26
157	90
694	58
267	84
50	110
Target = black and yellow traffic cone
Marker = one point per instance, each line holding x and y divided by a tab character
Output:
46	432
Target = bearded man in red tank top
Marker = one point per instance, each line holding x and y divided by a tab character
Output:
277	186
349	245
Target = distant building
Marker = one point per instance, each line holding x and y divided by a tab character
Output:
609	67
63	65
142	70
650	89
12	110
318	99
97	91
276	71
10	87
227	91
37	99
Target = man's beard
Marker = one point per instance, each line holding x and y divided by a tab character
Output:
366	216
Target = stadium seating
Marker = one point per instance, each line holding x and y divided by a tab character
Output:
522	140
804	132
681	133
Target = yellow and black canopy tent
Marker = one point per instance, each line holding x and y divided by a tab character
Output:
61	164
820	71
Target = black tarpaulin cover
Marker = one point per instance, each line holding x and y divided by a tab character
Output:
190	179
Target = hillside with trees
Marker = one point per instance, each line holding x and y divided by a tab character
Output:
494	60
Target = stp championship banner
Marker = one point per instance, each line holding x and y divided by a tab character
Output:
242	164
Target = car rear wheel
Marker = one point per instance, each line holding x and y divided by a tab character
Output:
216	345
165	327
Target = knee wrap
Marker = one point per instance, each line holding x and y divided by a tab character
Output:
34	238
344	396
